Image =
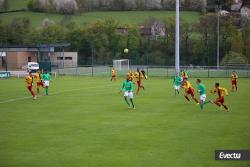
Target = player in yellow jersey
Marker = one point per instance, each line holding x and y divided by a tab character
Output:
130	76
189	90
139	75
39	81
29	82
221	93
234	79
113	74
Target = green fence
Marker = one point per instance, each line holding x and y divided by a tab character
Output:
157	71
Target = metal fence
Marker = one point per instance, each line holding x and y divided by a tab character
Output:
158	71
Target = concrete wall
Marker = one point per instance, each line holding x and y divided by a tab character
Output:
69	59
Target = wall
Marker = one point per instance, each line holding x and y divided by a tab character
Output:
65	63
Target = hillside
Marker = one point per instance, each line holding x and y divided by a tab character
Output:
17	4
124	17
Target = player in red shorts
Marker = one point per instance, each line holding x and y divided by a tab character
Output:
221	93
139	75
29	81
189	90
234	79
39	82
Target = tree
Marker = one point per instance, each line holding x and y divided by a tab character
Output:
4	5
234	58
237	43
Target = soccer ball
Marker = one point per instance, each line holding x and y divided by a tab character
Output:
126	50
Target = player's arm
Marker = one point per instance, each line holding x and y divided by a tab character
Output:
213	91
26	79
123	85
225	90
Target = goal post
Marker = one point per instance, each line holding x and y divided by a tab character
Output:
122	64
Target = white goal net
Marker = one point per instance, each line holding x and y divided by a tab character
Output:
122	64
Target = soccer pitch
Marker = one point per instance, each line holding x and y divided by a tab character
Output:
85	122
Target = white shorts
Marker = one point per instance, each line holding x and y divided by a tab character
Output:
203	97
46	83
177	87
128	94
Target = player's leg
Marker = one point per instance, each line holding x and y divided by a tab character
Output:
46	83
30	88
126	98
226	108
141	86
222	102
176	90
131	99
217	102
186	96
236	86
203	101
232	86
38	84
193	97
138	86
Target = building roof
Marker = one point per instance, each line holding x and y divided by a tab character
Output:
32	48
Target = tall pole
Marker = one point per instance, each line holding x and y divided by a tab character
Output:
177	38
218	37
92	59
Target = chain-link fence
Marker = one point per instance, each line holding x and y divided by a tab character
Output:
159	71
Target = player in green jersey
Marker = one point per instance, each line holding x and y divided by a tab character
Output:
202	90
127	88
177	84
46	79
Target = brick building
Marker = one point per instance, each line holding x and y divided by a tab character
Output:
17	57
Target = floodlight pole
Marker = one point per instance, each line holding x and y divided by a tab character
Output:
177	38
6	59
218	36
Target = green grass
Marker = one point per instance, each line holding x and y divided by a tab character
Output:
85	122
135	17
17	4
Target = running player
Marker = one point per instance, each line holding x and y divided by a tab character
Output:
202	91
139	76
234	79
127	88
29	81
46	79
113	74
177	84
221	93
39	81
189	90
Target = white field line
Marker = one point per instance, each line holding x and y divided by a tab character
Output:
56	93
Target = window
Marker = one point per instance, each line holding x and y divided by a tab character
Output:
29	59
68	58
65	58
